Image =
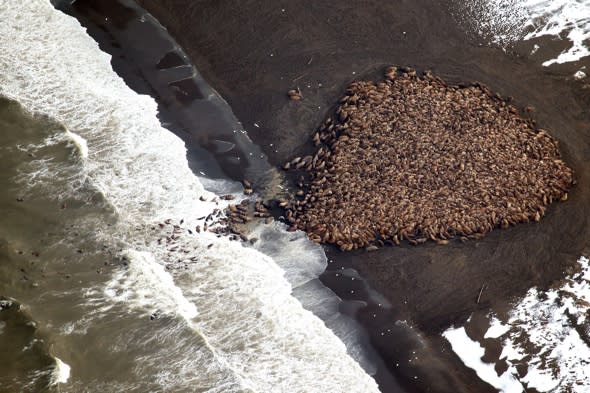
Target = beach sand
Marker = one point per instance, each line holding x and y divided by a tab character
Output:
253	52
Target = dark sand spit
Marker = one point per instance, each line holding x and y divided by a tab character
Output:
254	52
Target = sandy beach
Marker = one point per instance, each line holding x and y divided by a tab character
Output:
254	53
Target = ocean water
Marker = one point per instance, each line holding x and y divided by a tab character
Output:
99	250
106	289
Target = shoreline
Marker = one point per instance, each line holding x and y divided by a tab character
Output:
112	37
112	162
258	94
435	287
432	286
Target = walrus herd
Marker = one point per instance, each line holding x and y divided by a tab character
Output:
414	158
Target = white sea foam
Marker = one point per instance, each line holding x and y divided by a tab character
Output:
235	299
80	143
302	262
142	280
507	21
546	333
289	250
61	372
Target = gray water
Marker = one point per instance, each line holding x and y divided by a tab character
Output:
98	209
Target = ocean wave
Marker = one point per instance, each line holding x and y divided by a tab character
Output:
254	332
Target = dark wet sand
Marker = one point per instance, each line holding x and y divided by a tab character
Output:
253	52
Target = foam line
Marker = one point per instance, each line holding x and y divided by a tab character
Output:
237	299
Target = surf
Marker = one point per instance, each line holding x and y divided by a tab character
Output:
248	330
